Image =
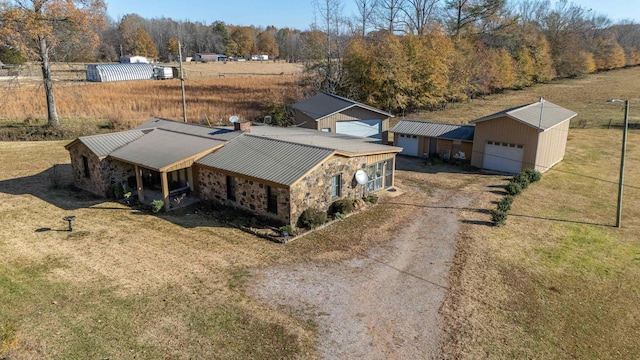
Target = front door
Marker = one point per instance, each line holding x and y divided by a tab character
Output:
388	174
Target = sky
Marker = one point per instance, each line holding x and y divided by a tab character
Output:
297	14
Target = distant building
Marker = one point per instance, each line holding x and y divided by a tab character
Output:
133	60
119	72
205	57
259	57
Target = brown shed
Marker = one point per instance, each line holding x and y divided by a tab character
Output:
524	137
335	114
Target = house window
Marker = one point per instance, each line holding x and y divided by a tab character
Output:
272	200
336	186
85	164
231	188
326	129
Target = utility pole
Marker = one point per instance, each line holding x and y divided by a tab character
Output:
184	101
623	155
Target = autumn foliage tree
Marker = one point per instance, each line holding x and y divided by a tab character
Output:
37	27
144	45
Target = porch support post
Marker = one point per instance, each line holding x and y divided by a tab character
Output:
139	184
165	190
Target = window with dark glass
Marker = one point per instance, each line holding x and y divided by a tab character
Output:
231	188
272	200
85	164
336	186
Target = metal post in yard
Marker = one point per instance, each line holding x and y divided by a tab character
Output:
184	102
623	155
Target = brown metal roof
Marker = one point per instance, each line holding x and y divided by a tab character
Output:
541	114
161	148
322	105
277	161
437	130
104	144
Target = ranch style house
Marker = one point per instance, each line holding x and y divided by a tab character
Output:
270	171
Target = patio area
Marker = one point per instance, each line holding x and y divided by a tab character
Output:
176	201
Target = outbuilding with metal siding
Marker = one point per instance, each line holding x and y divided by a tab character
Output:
428	139
523	137
332	113
119	72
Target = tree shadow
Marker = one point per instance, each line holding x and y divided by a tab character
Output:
52	185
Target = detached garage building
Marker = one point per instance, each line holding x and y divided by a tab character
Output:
529	136
429	139
335	114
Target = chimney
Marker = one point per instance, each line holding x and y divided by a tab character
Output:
242	126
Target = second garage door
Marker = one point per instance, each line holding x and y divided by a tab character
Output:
502	157
408	143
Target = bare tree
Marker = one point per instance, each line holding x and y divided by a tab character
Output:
418	14
366	10
389	14
38	26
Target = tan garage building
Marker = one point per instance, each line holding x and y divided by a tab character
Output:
524	137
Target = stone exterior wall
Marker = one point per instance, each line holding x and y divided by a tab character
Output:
314	190
114	172
250	194
94	183
103	174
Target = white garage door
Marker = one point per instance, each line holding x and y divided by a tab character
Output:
362	128
408	143
503	157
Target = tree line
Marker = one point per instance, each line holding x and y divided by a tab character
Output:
398	55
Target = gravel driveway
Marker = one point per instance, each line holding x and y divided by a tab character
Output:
382	304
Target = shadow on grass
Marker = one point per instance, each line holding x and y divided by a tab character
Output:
52	186
561	220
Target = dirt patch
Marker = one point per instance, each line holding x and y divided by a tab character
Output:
383	303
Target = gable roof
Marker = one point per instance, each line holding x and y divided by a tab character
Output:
432	129
323	105
277	161
103	144
540	114
161	148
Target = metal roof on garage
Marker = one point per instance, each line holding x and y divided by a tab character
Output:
322	105
541	114
104	144
437	130
161	148
277	161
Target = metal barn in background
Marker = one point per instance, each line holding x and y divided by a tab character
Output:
119	72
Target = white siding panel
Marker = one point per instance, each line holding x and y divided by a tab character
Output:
362	128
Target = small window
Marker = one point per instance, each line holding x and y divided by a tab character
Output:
272	200
490	142
326	129
519	146
414	136
85	164
512	145
231	188
336	186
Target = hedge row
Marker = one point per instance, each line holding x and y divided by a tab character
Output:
515	186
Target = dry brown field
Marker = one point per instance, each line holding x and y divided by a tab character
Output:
214	92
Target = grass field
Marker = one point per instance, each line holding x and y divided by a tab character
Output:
249	90
559	280
127	284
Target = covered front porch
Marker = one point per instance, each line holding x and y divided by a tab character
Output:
173	187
